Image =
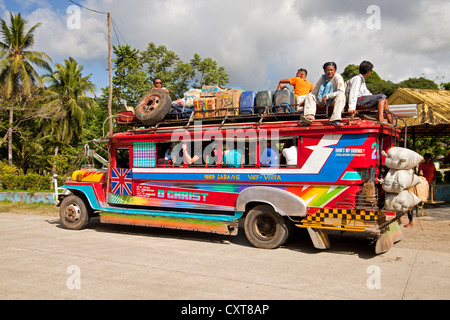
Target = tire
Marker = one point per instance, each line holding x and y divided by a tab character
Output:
265	228
153	107
73	213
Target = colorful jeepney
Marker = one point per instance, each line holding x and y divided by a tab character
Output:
332	186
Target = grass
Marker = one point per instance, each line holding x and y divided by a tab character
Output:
42	209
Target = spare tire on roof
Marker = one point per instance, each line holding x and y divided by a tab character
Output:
153	107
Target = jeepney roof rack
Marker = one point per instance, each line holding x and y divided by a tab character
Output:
232	116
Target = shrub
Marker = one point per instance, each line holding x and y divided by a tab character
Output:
439	176
30	181
447	176
6	169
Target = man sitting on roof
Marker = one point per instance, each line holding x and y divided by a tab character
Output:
157	84
360	97
302	87
329	91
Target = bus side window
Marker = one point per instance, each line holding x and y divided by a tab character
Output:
164	154
123	158
290	153
269	154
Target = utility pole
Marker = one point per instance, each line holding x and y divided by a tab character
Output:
11	119
110	76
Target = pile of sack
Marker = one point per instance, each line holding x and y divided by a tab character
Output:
404	189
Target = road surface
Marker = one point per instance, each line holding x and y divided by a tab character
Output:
39	259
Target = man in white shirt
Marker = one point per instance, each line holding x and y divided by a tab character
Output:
329	90
360	97
290	153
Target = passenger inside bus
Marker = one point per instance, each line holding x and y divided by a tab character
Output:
290	152
194	157
234	155
270	155
211	152
164	154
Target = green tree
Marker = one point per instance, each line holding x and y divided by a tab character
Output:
17	74
159	62
210	73
135	71
130	81
419	83
445	86
385	87
67	97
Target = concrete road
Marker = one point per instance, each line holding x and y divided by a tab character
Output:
41	260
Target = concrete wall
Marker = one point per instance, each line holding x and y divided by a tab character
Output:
36	197
442	192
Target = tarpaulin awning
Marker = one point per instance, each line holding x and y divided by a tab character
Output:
433	110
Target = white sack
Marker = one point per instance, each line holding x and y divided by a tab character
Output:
402	158
398	180
401	202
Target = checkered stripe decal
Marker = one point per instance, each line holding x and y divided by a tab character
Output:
320	215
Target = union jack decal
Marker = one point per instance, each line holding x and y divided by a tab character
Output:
121	181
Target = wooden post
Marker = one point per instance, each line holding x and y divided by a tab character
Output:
110	76
11	119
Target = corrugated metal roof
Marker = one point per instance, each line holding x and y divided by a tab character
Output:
404	110
433	106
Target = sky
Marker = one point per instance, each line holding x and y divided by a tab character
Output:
258	42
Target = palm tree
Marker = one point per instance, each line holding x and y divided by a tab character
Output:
17	74
68	99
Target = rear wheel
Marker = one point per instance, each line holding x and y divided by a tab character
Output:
73	213
265	228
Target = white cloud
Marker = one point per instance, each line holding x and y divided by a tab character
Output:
56	39
260	42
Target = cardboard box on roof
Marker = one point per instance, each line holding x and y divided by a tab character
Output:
210	91
228	100
205	107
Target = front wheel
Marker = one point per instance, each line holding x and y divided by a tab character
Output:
265	228
73	213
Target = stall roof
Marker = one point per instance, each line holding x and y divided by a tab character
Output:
433	110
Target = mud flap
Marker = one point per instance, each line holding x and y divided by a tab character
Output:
392	234
319	238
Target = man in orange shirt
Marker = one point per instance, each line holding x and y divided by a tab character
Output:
302	87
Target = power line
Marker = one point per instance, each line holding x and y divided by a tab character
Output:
114	24
96	11
108	14
116	27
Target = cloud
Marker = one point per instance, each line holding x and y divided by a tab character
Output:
259	42
56	39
